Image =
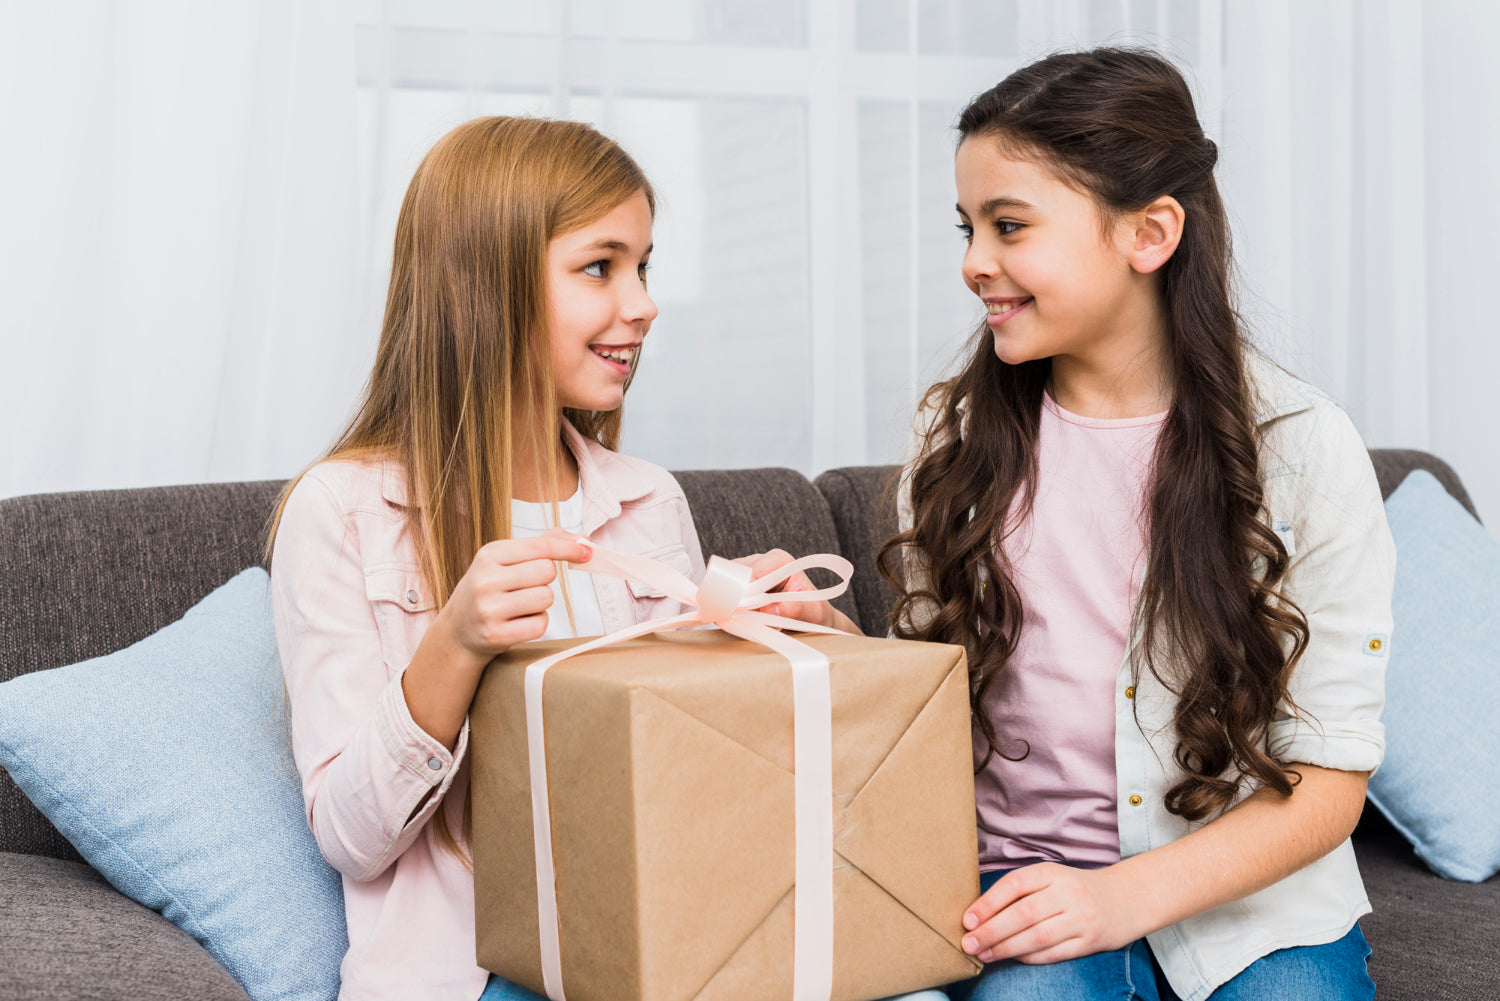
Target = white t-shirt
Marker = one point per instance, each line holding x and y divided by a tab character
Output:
528	520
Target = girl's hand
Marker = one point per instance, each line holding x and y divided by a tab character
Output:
503	598
819	613
1046	912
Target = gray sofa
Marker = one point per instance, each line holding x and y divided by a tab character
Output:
84	574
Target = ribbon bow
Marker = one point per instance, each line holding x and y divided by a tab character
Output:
730	600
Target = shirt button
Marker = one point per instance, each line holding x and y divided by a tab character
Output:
1375	645
1130	692
434	764
411	597
1135	801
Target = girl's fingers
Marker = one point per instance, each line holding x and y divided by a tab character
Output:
1031	937
1028	912
583	541
532	573
761	564
1007	889
513	617
802	611
525	601
523	630
1070	948
560	547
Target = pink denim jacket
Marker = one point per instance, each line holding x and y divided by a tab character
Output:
350	607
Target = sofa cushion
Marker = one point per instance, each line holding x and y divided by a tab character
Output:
742	511
92	572
862	502
168	765
1392	466
65	935
1429	937
1440	783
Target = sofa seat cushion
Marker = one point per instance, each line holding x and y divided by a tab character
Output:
1429	937
67	935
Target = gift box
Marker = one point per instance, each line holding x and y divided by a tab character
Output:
669	762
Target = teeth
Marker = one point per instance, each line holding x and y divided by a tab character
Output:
620	355
1001	308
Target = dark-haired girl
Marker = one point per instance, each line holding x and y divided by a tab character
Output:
1168	562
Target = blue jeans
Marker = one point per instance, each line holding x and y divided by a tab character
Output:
1332	972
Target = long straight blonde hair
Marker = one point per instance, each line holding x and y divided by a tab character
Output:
462	384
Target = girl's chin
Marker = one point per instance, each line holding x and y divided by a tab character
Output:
1016	354
602	404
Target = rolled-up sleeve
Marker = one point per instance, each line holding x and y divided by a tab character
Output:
371	778
1341	575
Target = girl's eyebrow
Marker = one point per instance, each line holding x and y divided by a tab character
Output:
993	205
616	246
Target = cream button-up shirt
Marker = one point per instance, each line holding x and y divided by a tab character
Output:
350	607
1323	501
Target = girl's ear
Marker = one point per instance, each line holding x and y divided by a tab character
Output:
1158	230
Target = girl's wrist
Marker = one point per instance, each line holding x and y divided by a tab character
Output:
455	653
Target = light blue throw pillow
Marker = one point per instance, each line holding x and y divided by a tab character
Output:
168	766
1440	782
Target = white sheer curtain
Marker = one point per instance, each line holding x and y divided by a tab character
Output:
1359	143
179	237
197	227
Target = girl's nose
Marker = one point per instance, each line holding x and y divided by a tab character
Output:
979	267
638	306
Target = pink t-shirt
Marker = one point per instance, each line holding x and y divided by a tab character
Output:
1078	564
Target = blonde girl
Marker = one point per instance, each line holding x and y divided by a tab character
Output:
428	539
419	548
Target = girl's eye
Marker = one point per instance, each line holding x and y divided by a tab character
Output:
1006	226
967	231
598	269
645	266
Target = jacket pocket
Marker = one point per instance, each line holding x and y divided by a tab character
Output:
402	605
674	556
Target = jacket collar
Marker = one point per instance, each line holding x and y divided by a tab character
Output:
393	482
1276	393
606	479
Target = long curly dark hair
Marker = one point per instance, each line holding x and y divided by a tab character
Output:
1119	124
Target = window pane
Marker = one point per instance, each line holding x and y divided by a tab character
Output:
880	26
885	196
531	18
764	23
948	311
415	119
968	27
725	377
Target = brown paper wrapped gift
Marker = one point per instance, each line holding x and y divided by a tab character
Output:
669	763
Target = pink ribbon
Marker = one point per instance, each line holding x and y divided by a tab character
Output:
729	599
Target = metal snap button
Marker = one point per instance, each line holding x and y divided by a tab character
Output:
411	597
1130	692
1135	801
434	764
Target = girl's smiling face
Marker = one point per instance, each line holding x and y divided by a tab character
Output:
599	309
1055	278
